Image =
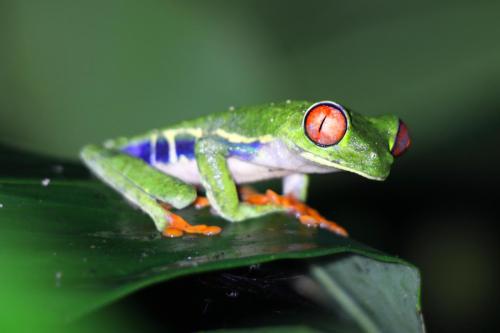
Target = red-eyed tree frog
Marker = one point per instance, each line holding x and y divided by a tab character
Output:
162	169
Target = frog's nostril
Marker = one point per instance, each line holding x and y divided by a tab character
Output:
402	141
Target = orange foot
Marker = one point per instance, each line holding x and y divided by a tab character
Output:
305	214
178	226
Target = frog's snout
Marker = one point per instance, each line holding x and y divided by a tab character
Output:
402	140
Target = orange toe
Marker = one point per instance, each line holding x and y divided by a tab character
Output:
257	199
308	221
201	202
212	230
332	226
172	232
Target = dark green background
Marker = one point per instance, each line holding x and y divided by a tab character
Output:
72	73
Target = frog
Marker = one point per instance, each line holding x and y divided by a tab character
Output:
166	170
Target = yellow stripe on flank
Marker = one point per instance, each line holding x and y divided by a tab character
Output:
152	142
196	132
172	153
237	138
170	135
319	160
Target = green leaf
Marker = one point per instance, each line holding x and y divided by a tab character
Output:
379	296
71	245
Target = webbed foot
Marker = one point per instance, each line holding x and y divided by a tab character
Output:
306	215
177	226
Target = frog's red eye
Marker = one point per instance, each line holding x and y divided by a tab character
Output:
325	123
402	141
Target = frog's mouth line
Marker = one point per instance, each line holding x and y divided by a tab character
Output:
313	158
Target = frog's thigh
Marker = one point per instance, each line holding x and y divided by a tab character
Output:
220	187
138	182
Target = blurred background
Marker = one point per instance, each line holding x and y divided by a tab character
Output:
73	73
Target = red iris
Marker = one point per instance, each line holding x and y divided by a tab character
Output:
402	141
325	124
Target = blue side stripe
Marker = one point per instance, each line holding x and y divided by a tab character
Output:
162	150
245	151
185	148
140	150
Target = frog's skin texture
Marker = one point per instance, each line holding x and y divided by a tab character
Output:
163	168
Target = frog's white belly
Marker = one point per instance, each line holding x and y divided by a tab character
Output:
241	171
273	160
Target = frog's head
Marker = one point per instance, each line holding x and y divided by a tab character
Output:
332	136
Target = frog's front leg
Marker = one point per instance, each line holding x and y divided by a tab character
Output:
223	196
220	187
151	190
222	193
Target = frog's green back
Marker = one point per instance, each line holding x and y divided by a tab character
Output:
254	121
241	124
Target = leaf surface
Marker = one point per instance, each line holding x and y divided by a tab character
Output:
71	245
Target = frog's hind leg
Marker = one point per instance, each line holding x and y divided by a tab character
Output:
151	190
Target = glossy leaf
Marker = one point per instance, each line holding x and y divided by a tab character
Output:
379	296
71	245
